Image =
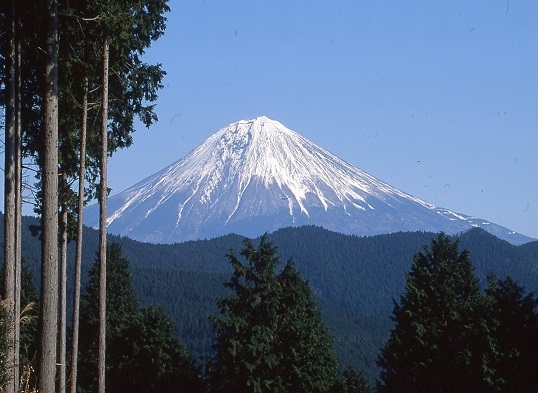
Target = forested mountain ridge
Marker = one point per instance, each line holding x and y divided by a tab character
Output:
355	279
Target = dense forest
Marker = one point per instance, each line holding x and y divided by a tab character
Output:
353	279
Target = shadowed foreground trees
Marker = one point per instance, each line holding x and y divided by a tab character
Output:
143	355
512	317
436	326
449	337
270	334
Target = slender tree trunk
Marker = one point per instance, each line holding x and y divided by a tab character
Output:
18	208
49	242
103	191
78	252
60	384
10	188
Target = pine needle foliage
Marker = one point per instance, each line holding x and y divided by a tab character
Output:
142	353
5	325
270	334
513	319
439	342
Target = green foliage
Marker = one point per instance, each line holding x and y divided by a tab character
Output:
5	325
142	353
29	315
270	334
131	27
352	382
437	343
122	317
162	361
354	279
512	317
449	337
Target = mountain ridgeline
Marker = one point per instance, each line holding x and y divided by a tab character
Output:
354	279
257	176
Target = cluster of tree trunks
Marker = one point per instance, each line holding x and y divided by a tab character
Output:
44	109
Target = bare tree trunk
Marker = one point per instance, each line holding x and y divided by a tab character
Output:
10	188
60	384
78	252
103	191
18	210
49	242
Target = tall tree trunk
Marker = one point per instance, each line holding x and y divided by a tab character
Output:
10	188
60	384
103	191
49	242
18	208
78	252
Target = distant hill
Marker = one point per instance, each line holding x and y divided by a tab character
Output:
355	279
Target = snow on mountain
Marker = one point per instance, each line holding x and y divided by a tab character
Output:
256	176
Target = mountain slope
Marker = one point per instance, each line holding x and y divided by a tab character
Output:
257	176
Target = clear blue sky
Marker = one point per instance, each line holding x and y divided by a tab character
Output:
439	99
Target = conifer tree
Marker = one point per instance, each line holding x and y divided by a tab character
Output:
29	314
5	343
270	334
440	341
143	355
352	382
122	316
512	317
163	363
49	219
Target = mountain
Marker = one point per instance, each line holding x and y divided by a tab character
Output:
256	176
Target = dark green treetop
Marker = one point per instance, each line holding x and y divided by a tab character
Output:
270	334
142	353
439	340
352	382
513	319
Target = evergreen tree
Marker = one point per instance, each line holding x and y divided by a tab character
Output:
352	382
142	353
29	315
6	324
123	317
513	319
440	342
48	317
162	361
270	334
30	309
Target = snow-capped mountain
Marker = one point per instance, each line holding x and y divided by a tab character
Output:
256	176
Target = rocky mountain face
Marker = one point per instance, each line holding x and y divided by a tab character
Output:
256	176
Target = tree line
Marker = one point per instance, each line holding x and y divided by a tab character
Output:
270	335
449	335
185	279
73	82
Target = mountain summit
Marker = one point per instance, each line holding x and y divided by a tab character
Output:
256	176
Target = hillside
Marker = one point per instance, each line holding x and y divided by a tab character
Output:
354	278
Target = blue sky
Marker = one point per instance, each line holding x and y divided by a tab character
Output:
439	99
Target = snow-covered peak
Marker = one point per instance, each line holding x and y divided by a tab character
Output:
257	175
